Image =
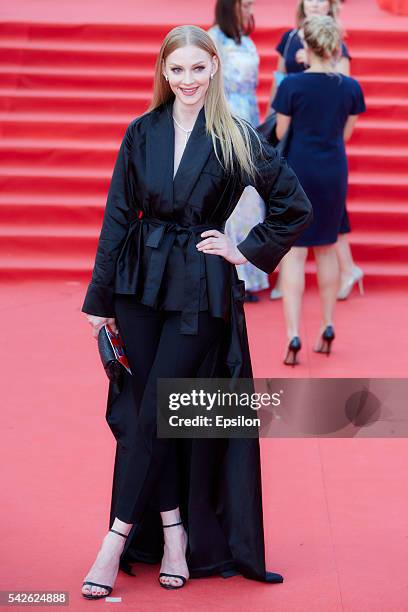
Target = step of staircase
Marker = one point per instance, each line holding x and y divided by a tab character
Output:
33	100
58	153
380	133
368	187
376	276
22	209
370	217
86	126
67	78
377	160
97	33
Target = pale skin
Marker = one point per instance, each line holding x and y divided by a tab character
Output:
189	71
292	267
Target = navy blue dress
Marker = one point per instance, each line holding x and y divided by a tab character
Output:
319	105
288	46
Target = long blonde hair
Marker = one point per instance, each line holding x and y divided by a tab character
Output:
301	15
232	133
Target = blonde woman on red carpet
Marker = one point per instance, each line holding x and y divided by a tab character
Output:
165	276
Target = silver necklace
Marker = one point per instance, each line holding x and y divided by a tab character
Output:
187	132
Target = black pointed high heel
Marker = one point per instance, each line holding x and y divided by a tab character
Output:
102	586
294	347
182	578
326	340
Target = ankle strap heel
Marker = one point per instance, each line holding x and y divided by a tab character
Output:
118	532
174	524
183	579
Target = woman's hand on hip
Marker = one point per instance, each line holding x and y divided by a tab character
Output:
98	322
217	243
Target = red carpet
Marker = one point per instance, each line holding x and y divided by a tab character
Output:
335	510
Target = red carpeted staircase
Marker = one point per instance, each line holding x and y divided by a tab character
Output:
67	93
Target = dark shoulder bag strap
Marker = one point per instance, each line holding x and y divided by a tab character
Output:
288	41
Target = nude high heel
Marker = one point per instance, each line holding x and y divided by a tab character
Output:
346	288
275	294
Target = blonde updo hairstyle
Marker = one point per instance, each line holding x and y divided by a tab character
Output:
322	35
301	16
232	134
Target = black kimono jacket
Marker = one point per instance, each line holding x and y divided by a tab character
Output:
147	248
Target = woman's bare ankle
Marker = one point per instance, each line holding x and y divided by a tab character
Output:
169	517
121	526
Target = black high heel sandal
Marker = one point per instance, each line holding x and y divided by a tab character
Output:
327	338
102	586
182	578
294	347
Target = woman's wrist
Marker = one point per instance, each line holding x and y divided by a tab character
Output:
239	257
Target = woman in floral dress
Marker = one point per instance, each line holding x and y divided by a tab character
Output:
240	60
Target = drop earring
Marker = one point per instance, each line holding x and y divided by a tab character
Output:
166	77
211	76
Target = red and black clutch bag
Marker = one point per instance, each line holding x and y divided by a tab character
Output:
112	354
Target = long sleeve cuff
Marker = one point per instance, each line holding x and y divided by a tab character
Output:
264	258
99	301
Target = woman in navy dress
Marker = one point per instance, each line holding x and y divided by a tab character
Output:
292	59
320	107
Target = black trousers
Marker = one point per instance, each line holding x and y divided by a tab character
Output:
155	349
